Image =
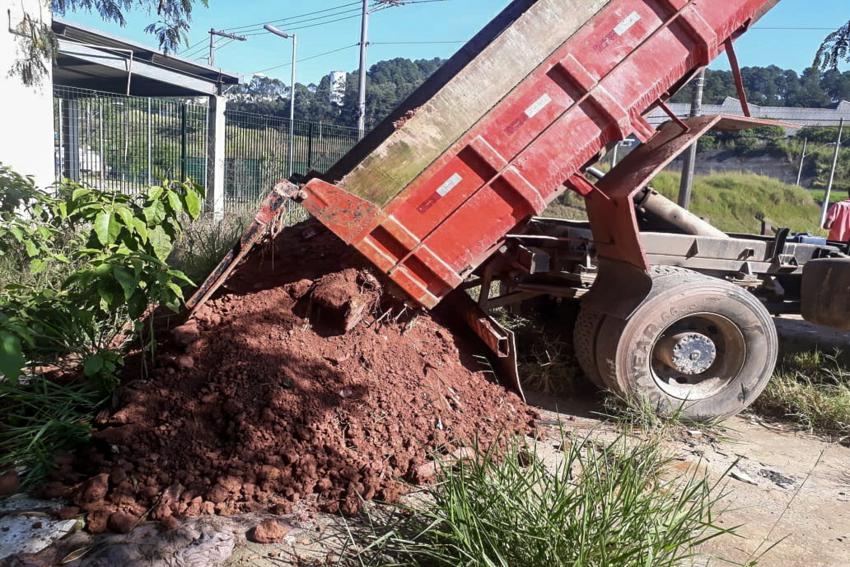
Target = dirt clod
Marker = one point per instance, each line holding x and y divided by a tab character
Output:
268	531
9	483
279	407
121	522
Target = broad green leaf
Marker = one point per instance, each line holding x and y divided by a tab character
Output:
179	275
161	243
193	203
37	266
155	213
155	193
11	356
176	290
101	226
93	365
141	229
32	249
174	202
79	193
126	280
137	305
126	216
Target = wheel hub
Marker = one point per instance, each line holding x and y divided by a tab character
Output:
688	353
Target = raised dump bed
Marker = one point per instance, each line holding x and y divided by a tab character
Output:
508	126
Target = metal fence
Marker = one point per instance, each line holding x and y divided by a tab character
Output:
257	152
125	143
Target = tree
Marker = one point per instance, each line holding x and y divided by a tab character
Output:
38	45
834	49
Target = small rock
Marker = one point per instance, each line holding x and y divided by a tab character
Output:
67	513
121	522
738	474
268	531
186	334
185	362
95	489
9	483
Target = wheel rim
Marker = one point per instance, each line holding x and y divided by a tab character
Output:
698	356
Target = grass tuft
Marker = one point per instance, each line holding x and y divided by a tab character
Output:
617	504
812	390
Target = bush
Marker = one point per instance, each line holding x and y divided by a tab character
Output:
81	268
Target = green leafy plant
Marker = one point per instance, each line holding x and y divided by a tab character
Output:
82	268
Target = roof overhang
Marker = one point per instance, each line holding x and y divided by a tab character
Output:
90	59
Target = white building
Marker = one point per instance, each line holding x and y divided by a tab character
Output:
338	80
26	112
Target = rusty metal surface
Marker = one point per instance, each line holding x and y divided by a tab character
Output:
527	150
826	293
499	340
269	210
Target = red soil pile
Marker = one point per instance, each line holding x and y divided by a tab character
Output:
261	401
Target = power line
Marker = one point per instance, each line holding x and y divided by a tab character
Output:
415	42
280	20
305	59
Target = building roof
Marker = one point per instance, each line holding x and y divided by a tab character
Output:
801	116
91	59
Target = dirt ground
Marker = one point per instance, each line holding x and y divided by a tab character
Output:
250	389
788	492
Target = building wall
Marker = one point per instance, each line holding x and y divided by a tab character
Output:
26	113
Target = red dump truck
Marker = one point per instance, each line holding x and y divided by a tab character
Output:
445	195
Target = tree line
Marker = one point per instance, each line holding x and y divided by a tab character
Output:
390	82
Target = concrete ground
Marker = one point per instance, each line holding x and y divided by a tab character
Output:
789	493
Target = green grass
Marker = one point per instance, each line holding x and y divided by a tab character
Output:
733	202
604	505
813	391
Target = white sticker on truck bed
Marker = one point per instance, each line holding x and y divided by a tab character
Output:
538	105
450	184
627	24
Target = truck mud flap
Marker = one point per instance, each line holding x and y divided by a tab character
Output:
499	340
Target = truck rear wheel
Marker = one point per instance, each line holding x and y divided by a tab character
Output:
697	346
584	344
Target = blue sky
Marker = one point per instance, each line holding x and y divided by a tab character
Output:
417	30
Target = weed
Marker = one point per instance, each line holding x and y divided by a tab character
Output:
602	505
811	389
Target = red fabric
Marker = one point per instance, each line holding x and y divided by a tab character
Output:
839	215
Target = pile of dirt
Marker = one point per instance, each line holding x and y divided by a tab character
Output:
262	401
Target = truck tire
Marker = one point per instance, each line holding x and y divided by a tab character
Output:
585	333
698	346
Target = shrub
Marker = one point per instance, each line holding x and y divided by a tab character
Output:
81	268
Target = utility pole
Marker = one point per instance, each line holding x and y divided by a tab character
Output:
364	44
213	35
802	161
689	166
828	195
294	38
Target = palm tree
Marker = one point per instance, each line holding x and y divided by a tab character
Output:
834	49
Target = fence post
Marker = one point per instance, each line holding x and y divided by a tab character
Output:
826	197
215	156
310	148
150	165
72	139
802	161
183	141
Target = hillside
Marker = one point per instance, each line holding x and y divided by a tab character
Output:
733	202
